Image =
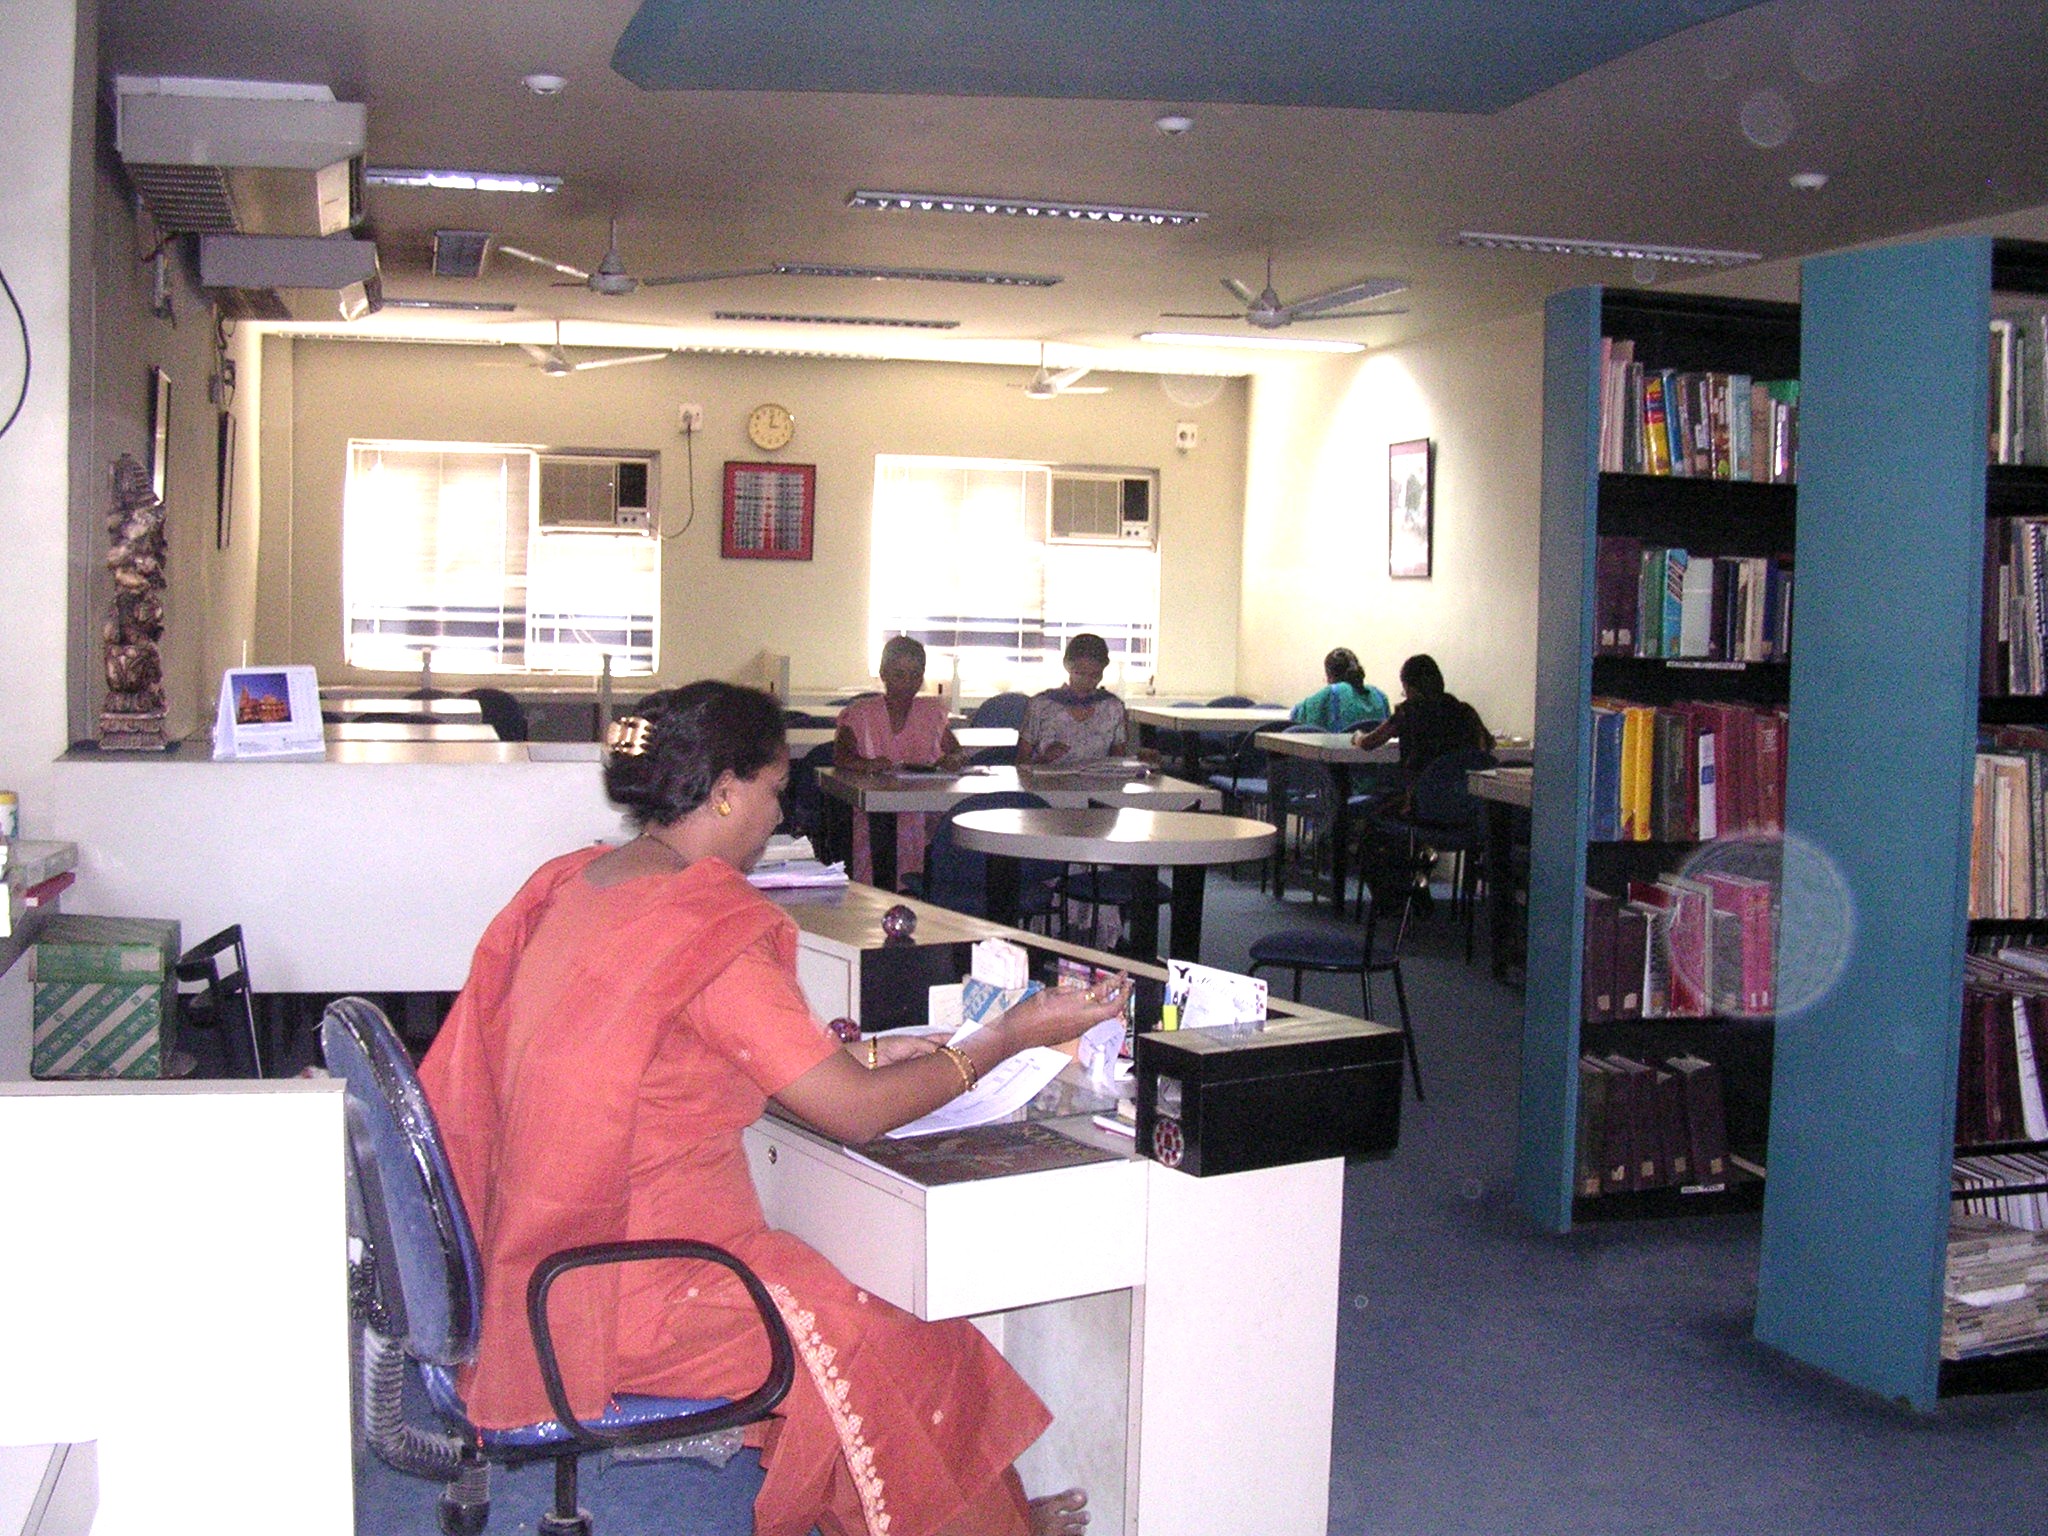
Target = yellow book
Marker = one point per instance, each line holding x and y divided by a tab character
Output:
1638	727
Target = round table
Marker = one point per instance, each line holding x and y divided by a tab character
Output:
1187	842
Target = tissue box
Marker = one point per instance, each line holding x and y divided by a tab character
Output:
105	996
1211	1102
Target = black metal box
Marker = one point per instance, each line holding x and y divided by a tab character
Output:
1211	1102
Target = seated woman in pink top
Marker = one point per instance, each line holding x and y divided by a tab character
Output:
896	729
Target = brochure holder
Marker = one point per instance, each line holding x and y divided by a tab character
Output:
269	713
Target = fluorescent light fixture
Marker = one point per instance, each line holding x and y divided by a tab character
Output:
1625	250
1259	343
460	181
471	306
1019	208
780	319
913	274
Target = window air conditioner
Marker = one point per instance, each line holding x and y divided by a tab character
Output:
597	491
1104	506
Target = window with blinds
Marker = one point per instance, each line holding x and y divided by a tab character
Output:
442	550
961	562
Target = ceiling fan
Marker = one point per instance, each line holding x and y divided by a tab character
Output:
611	278
1051	383
1264	311
555	362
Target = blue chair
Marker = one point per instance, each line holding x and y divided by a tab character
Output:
1367	951
957	877
416	1299
1005	709
501	712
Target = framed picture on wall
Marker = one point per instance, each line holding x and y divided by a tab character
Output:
770	511
159	428
1410	507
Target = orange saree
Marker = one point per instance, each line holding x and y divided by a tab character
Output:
591	1084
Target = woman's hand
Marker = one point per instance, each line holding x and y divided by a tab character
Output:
1061	1013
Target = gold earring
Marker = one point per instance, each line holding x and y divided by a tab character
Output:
724	808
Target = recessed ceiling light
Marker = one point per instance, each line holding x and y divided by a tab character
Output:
1809	181
544	85
911	274
459	181
1626	250
784	319
1173	124
1262	343
1019	207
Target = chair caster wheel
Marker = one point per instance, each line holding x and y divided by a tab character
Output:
463	1519
552	1524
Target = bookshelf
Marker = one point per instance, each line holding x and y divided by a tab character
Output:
1894	497
1707	516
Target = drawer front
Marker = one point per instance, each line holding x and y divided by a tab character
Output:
873	1236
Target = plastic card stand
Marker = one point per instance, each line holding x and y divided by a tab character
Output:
268	713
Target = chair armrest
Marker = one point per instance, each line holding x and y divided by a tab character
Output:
755	1405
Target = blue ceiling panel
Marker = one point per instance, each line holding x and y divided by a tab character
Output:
1445	56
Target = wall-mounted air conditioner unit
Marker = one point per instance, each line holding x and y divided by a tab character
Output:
1103	506
291	277
588	490
241	156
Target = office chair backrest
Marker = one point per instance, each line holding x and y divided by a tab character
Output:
1001	709
1231	701
1441	796
501	712
220	998
957	877
402	1194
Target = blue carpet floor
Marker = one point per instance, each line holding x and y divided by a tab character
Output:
1495	1381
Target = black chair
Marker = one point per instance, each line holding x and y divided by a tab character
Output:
1367	951
416	1297
1443	816
213	993
502	712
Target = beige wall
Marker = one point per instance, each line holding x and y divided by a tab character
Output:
1316	520
719	615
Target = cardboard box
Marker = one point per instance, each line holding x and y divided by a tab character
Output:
105	996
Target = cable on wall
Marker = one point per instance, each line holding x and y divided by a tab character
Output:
27	362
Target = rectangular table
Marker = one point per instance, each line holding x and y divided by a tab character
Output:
1508	793
409	711
882	797
1334	751
1189	721
802	738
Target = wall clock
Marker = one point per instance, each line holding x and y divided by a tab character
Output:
770	427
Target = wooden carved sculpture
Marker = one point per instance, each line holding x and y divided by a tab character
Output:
132	718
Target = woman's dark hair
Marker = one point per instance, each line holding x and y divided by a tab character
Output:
1421	675
1341	666
1086	647
902	645
694	734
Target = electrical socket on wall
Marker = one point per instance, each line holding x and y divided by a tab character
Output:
691	418
1184	435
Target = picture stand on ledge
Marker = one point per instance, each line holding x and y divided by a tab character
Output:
1411	495
770	510
269	712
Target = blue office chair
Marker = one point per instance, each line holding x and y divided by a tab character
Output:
1368	952
502	712
416	1297
1001	709
1442	816
957	878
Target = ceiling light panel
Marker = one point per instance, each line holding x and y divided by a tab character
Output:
783	319
1020	208
1256	343
1625	250
460	181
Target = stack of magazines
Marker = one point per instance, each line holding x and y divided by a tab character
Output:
790	863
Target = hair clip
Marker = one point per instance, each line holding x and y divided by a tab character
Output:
627	736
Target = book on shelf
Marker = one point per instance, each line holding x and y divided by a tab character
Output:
1694	423
1596	958
2009	828
2017	417
1687	771
1647	1124
1663	602
1995	1287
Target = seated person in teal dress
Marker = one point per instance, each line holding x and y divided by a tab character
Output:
1346	701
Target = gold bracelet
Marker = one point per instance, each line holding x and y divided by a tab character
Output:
969	1073
873	1060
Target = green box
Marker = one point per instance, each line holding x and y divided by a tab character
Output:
105	997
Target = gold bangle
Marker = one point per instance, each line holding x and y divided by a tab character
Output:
969	1073
873	1061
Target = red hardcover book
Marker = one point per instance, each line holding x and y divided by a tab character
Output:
1631	960
1596	985
1706	1120
1617	568
1646	1168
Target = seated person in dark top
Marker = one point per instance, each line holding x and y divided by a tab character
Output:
1428	721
